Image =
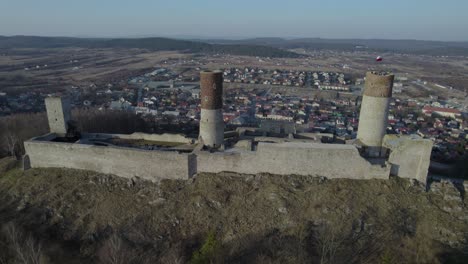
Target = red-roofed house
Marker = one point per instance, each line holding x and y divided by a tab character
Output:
446	112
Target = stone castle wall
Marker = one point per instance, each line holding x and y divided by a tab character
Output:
124	162
275	158
410	156
408	159
327	160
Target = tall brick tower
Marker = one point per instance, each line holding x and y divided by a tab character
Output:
211	121
373	118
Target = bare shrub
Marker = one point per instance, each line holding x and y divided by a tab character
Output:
330	238
10	142
24	248
115	251
15	129
263	259
420	248
173	256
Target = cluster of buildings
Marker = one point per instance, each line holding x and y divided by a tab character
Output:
24	102
448	129
254	75
163	96
265	76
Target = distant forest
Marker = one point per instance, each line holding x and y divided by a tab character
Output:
262	47
420	47
153	44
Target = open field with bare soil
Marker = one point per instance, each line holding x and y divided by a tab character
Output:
52	70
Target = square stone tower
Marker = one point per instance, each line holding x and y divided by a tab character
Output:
58	114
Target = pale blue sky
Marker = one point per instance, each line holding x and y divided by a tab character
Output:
391	19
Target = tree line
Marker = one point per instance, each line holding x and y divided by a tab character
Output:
154	44
17	128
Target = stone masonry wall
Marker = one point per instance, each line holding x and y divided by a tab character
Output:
410	156
58	114
331	161
308	159
124	162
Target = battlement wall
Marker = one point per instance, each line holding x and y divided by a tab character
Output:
124	162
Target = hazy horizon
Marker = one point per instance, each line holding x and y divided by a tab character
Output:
201	38
336	19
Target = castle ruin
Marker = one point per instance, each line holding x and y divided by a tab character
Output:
58	114
374	112
373	155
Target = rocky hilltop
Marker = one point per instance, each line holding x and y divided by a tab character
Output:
85	217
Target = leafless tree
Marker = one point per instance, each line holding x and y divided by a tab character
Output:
329	239
15	129
107	121
114	251
25	248
10	142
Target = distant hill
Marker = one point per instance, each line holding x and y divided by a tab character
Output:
262	47
154	44
439	48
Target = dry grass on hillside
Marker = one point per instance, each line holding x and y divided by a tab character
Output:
253	219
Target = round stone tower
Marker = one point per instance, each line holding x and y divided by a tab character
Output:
211	121
373	118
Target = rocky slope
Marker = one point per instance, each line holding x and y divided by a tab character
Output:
85	217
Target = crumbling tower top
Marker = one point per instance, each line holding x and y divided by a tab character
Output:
211	83
378	84
374	112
